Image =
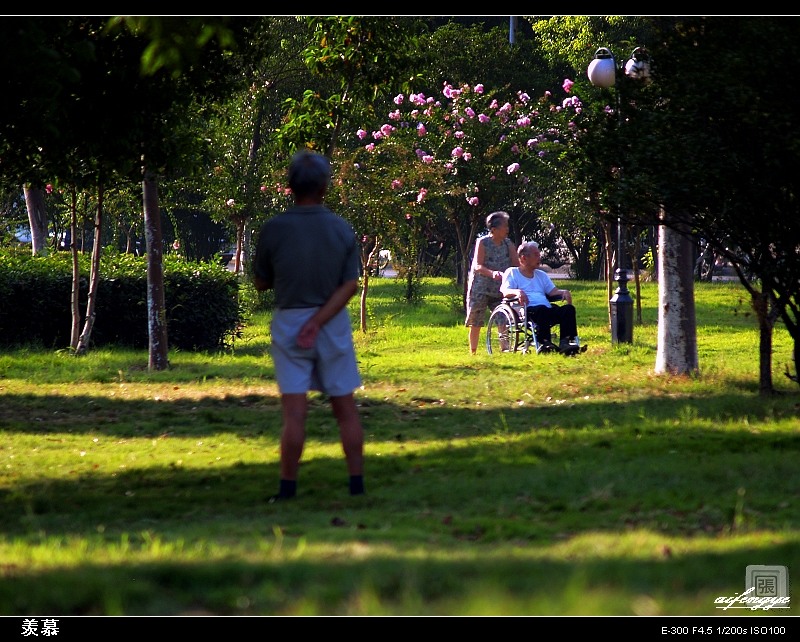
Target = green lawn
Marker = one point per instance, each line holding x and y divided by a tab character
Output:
502	484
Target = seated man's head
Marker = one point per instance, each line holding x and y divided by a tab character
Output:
309	174
529	252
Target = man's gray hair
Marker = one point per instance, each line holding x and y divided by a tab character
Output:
309	173
522	250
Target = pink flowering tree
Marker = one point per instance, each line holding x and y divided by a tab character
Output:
482	151
378	190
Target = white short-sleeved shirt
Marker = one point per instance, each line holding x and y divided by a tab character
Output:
535	288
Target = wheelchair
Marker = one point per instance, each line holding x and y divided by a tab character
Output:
509	330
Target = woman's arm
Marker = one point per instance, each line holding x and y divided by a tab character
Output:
477	264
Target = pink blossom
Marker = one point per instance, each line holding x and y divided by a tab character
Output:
524	121
493	104
377	135
473	200
396	184
523	97
263	188
483	118
230	202
421	131
369	147
479	88
458	152
567	84
48	188
408	216
459	134
395	115
469	111
421	196
427	159
361	134
512	168
387	129
467	156
398	100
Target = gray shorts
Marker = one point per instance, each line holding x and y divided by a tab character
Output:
330	366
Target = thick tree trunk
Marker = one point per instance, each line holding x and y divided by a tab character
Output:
94	278
37	216
156	312
677	325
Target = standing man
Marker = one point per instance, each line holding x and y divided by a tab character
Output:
309	255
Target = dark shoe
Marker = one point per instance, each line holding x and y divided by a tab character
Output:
570	346
545	347
280	497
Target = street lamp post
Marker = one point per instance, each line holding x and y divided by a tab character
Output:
602	72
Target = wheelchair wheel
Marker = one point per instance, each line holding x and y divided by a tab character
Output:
502	331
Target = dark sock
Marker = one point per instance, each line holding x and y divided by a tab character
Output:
288	488
356	484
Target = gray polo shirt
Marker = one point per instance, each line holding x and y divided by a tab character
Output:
305	253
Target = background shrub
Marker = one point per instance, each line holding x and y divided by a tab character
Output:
202	301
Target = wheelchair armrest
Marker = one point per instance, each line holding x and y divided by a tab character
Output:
510	298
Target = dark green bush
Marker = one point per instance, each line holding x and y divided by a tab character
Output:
202	302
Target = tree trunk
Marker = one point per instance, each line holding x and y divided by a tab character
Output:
75	330
766	322
37	216
677	324
156	312
609	256
94	278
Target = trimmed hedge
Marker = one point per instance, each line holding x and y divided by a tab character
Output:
202	301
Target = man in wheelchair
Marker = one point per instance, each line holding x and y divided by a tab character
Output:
534	289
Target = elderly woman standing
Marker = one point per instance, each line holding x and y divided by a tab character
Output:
494	253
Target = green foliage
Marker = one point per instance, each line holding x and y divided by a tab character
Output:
201	301
366	57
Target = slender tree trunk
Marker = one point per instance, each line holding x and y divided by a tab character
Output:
74	336
677	325
156	307
37	216
766	322
94	278
610	258
637	274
